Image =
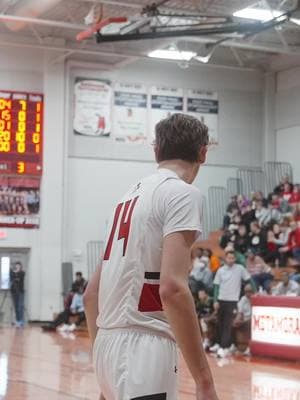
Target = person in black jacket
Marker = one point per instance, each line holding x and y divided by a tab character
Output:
17	275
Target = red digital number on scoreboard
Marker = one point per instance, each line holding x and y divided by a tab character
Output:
21	133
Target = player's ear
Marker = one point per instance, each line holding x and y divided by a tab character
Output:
202	154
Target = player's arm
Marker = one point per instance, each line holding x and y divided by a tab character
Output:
90	300
179	307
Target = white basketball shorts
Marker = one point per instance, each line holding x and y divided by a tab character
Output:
134	365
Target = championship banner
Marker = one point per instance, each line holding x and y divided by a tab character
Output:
165	101
19	202
205	106
130	113
92	107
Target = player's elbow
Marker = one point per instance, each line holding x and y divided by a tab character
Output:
171	290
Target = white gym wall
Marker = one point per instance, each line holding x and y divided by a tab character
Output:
288	118
80	183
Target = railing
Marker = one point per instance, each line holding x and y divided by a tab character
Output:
205	219
217	203
247	181
274	172
234	186
252	180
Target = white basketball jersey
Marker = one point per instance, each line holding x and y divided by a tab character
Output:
129	287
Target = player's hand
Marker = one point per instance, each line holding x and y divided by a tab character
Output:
101	397
208	393
216	306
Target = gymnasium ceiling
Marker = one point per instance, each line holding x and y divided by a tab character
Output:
24	24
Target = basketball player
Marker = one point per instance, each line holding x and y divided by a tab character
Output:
144	303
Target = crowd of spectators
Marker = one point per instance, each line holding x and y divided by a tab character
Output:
266	227
259	235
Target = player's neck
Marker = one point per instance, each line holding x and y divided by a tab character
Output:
183	169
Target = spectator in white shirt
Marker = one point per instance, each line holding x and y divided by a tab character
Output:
260	271
287	287
261	213
201	276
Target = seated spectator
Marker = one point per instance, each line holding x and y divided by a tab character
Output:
226	239
258	270
285	208
206	316
241	239
201	276
287	287
273	215
261	213
295	276
296	214
196	255
275	200
79	284
258	197
257	239
293	244
287	191
232	205
278	237
242	322
234	224
248	215
76	309
272	255
229	216
242	201
280	188
214	261
295	196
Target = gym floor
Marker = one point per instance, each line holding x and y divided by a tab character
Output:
57	366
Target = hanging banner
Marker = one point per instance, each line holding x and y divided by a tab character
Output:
19	202
92	107
205	106
130	113
165	101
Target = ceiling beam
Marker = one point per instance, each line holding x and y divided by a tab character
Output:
44	22
117	3
244	45
7	42
237	56
140	7
278	32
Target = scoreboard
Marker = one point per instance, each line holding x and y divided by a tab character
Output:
21	133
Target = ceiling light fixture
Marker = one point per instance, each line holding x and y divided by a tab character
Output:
172	54
261	14
295	20
258	14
